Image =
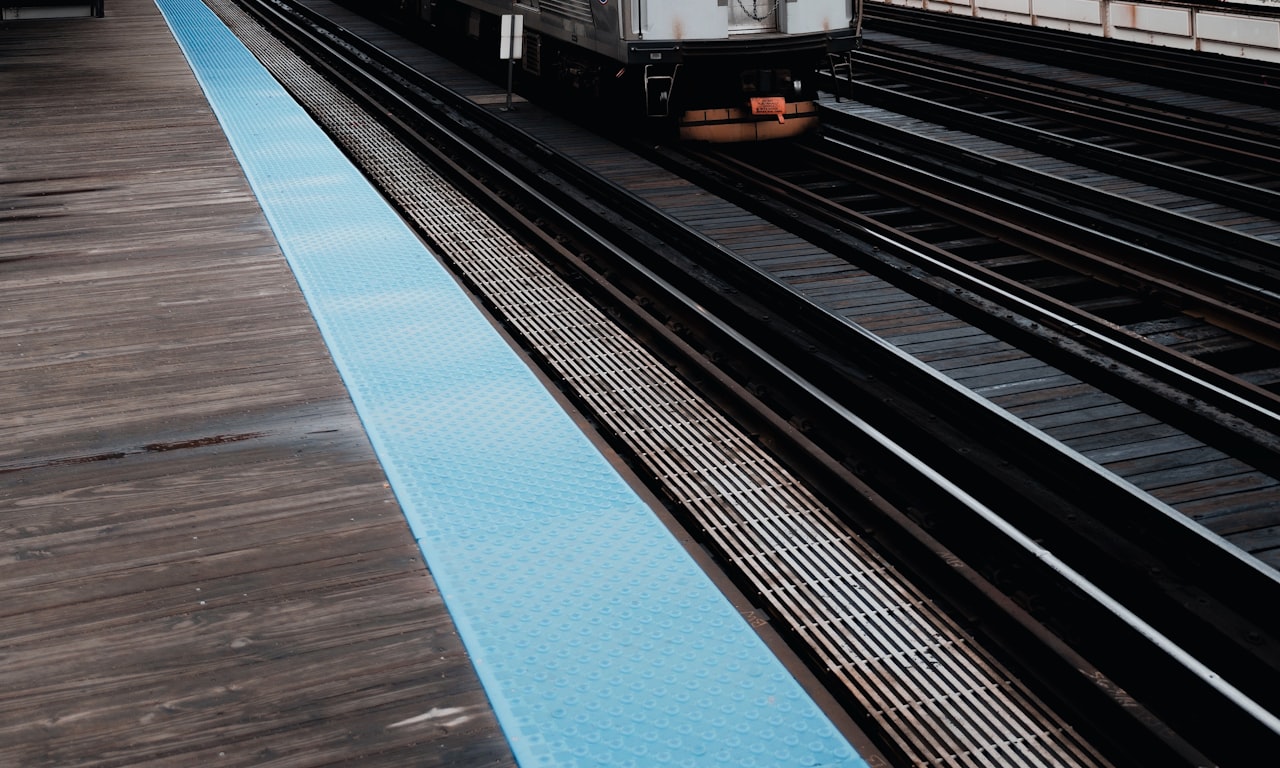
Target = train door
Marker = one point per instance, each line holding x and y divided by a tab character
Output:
749	16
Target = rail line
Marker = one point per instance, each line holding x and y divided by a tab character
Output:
1032	262
851	501
1251	82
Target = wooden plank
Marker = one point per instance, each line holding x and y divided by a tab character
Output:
1139	463
1142	447
1002	370
1189	475
1209	479
1031	397
1062	402
1107	443
1104	419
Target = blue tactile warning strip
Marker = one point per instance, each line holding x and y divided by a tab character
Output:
598	639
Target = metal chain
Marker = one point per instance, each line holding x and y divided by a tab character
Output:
754	13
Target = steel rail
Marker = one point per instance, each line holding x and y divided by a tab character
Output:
704	306
1229	77
1188	241
1224	137
793	211
493	164
1248	257
1228	398
1164	173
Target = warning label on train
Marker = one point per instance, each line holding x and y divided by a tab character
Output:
768	105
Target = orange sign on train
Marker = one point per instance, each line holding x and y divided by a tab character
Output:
769	105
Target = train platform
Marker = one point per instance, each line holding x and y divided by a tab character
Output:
275	492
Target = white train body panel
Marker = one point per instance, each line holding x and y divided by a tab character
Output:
683	20
806	16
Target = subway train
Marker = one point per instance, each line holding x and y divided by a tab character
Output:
705	70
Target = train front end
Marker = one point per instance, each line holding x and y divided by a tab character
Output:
706	70
738	70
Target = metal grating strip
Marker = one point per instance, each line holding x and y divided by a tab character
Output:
942	699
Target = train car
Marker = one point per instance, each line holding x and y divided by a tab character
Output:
716	70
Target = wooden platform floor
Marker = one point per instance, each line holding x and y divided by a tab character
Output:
201	561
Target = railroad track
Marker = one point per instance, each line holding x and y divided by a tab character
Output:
875	477
1251	82
1222	317
1065	275
844	285
1182	150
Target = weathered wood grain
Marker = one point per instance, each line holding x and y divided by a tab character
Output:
200	558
